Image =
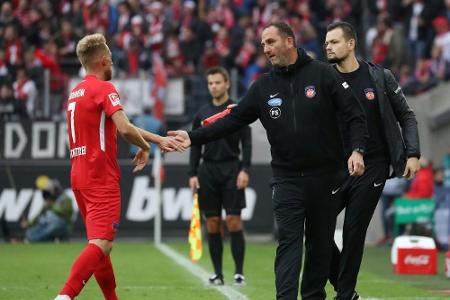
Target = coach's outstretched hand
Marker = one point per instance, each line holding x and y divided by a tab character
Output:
171	144
140	160
181	136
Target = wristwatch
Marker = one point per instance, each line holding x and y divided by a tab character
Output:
359	150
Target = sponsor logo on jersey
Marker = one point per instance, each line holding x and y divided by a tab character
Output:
273	95
275	102
310	91
370	93
114	98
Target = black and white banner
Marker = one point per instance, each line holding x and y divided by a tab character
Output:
19	198
39	140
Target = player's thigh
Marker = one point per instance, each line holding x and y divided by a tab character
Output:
81	203
102	213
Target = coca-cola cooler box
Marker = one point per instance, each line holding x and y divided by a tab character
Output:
414	255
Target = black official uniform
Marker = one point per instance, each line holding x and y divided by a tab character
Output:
298	105
220	167
385	107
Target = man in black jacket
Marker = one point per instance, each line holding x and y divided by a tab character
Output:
298	104
221	179
385	107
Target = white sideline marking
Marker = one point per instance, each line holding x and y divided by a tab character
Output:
199	272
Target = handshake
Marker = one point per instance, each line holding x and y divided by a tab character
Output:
177	140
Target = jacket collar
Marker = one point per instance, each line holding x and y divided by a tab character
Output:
302	59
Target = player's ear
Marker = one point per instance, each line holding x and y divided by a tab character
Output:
103	61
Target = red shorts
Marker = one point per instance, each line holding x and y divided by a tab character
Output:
100	210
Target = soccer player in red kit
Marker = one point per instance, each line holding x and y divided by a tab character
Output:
94	115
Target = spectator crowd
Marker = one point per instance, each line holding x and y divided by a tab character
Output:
412	37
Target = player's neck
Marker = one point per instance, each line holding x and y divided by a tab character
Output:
348	65
98	75
221	100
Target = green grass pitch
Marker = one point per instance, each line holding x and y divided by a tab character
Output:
38	271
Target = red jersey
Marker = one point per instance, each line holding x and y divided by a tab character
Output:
93	134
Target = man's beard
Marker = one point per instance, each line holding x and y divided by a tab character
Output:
219	96
108	75
336	60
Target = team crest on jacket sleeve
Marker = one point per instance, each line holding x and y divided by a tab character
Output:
370	94
310	91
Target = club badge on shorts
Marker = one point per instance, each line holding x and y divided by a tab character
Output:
274	103
370	94
310	91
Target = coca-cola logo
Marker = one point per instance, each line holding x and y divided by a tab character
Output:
417	260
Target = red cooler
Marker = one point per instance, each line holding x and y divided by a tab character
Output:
414	255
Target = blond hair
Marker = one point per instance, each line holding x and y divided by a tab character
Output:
91	46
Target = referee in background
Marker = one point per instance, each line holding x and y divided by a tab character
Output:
386	108
221	179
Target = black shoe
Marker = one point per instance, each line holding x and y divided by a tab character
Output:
354	297
239	280
216	280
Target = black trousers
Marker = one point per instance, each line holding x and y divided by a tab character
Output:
359	197
305	205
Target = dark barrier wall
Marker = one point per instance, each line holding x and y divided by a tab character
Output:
39	141
30	149
20	197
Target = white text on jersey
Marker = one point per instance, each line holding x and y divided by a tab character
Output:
77	93
77	151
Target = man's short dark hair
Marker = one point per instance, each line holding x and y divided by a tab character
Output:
284	29
218	70
347	29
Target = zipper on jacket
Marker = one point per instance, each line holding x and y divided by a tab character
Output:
293	105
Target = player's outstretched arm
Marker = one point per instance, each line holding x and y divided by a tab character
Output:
129	132
166	143
181	136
